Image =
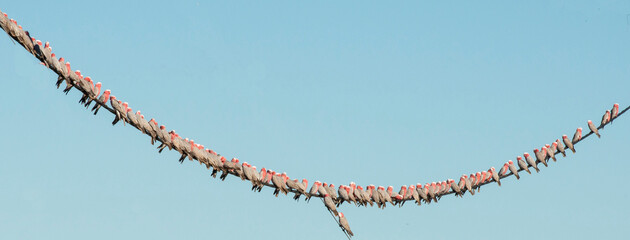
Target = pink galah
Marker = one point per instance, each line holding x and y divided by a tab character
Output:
153	134
68	79
484	176
313	191
103	99
531	161
551	151
477	178
414	194
605	118
568	143
504	169
343	195
577	136
469	183
455	187
376	196
422	193
343	223
96	91
323	189
445	187
614	112
330	189
521	164
433	191
462	183
559	147
63	74
352	192
593	129
131	117
361	197
367	195
121	112
301	189
388	195
328	202
495	176
279	183
400	197
541	156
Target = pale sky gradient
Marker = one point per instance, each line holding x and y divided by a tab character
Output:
374	93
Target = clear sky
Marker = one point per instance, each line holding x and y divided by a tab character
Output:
384	94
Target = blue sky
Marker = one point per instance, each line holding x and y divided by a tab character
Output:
384	94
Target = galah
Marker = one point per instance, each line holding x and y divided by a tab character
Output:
484	176
141	126
261	180
247	172
401	195
291	184
103	99
462	184
568	143
366	195
154	128
521	165
352	192
605	118
455	187
38	48
131	117
97	91
257	178
323	189
313	191
531	161
149	130
63	73
504	169
423	193
469	184
301	189
358	195
409	192
70	79
330	189
414	194
165	138
328	202
343	223
376	196
614	112
495	176
403	191
593	128
477	178
343	195
89	90
227	167
551	151
559	146
541	156
446	187
121	112
387	195
577	136
279	182
431	192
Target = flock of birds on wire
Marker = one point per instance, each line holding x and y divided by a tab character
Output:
332	196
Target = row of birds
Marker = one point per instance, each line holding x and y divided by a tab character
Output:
332	196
